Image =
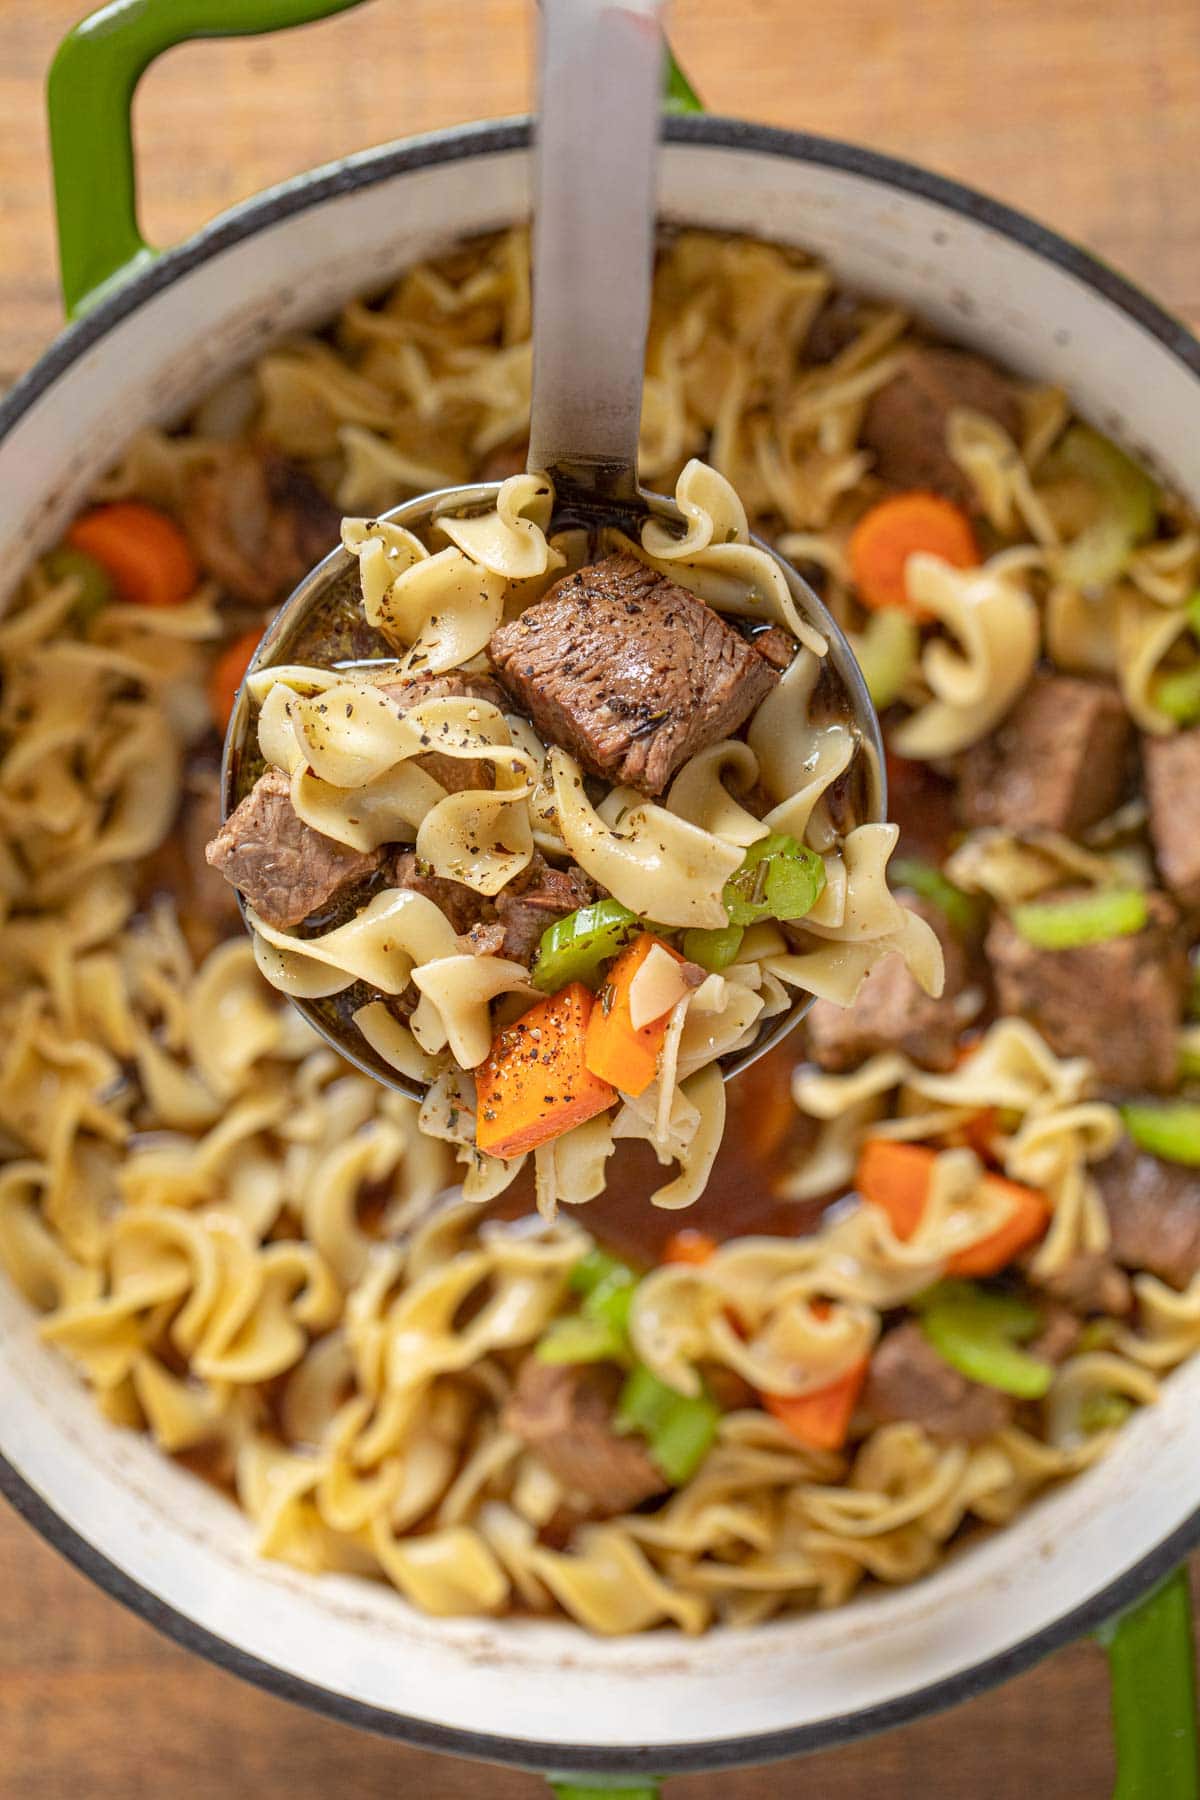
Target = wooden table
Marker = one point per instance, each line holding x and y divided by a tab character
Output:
1085	112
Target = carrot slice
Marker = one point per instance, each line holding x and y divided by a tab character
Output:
1025	1224
534	1084
226	675
821	1420
886	536
689	1247
615	1051
146	554
896	1177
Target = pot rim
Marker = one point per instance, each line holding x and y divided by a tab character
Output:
240	222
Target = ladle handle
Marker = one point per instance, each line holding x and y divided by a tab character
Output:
601	69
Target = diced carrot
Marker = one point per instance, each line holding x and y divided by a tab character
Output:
534	1084
226	674
615	1051
689	1247
146	554
896	1177
895	529
821	1420
979	1132
1025	1224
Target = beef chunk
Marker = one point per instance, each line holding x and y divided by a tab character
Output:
776	645
1171	766
461	904
285	869
565	1414
258	522
909	1381
892	1012
456	773
1058	1336
905	422
1117	1003
1088	1282
534	899
512	924
1153	1211
834	329
629	672
1057	760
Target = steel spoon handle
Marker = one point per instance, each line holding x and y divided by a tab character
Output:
601	70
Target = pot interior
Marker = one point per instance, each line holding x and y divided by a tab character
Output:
515	1689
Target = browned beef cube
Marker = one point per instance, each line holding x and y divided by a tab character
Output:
565	1414
513	922
1153	1211
629	672
461	904
909	1381
905	422
1057	761
892	1012
837	324
285	869
1088	1282
1172	770
1118	1003
258	522
539	895
776	644
456	773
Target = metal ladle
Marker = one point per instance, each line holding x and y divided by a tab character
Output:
601	73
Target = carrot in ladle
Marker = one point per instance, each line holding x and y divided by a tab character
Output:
895	529
146	554
534	1084
616	1051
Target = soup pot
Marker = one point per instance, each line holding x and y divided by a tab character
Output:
152	334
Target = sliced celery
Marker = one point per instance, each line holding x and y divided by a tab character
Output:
928	883
714	949
1127	507
778	879
1089	919
95	588
575	948
1170	1129
679	1429
977	1333
886	650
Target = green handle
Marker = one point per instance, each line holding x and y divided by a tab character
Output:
90	96
1151	1658
599	1790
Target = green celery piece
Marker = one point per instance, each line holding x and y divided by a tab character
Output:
977	1333
679	1428
95	589
1170	1129
1193	613
1104	1412
1091	919
575	948
610	1300
778	879
1189	1063
596	1267
1128	506
928	883
1177	694
580	1340
713	949
886	651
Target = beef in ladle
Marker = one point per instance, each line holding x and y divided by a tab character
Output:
629	672
285	868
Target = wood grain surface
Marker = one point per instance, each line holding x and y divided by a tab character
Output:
1085	113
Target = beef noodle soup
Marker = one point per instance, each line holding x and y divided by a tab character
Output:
949	1241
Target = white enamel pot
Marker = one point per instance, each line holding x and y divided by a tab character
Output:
162	331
